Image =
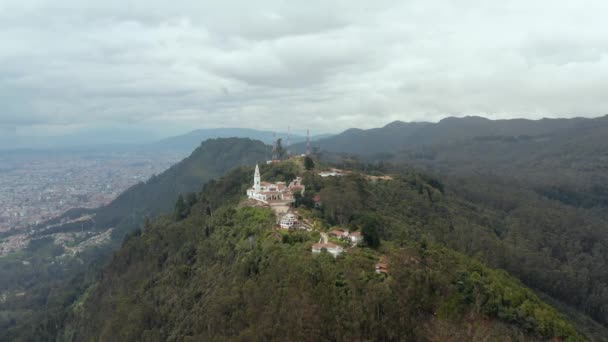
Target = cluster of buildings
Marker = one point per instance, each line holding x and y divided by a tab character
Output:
272	192
279	197
334	249
345	234
35	187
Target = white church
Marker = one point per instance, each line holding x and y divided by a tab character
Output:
269	192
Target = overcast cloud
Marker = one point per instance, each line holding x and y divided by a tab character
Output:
171	66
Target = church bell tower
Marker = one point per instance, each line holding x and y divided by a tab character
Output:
256	179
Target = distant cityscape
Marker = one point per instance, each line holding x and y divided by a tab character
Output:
35	187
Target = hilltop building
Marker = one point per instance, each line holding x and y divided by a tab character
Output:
274	192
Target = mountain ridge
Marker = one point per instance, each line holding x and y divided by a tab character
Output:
190	140
397	135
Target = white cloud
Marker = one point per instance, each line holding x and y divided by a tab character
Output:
325	65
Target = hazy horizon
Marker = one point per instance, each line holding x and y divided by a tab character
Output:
165	68
106	137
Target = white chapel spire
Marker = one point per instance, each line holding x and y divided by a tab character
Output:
256	179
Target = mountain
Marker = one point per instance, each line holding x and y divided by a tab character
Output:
210	160
542	186
401	135
191	140
483	224
138	140
65	254
574	152
225	273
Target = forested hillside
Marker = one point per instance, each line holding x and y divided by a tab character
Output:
37	283
541	219
210	160
539	185
224	272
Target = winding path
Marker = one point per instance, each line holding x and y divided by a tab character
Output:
324	238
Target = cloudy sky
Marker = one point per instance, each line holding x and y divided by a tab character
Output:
172	66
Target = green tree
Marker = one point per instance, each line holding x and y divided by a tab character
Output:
370	236
181	209
309	164
371	225
191	199
280	149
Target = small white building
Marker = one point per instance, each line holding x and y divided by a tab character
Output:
288	221
331	173
355	237
332	248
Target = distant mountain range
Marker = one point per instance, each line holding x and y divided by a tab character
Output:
191	140
400	135
573	151
121	140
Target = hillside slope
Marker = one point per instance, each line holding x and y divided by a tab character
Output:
157	195
225	273
542	186
39	281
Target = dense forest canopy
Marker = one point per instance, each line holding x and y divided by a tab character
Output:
224	272
539	185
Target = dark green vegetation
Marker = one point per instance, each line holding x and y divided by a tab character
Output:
40	281
223	273
539	186
523	196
